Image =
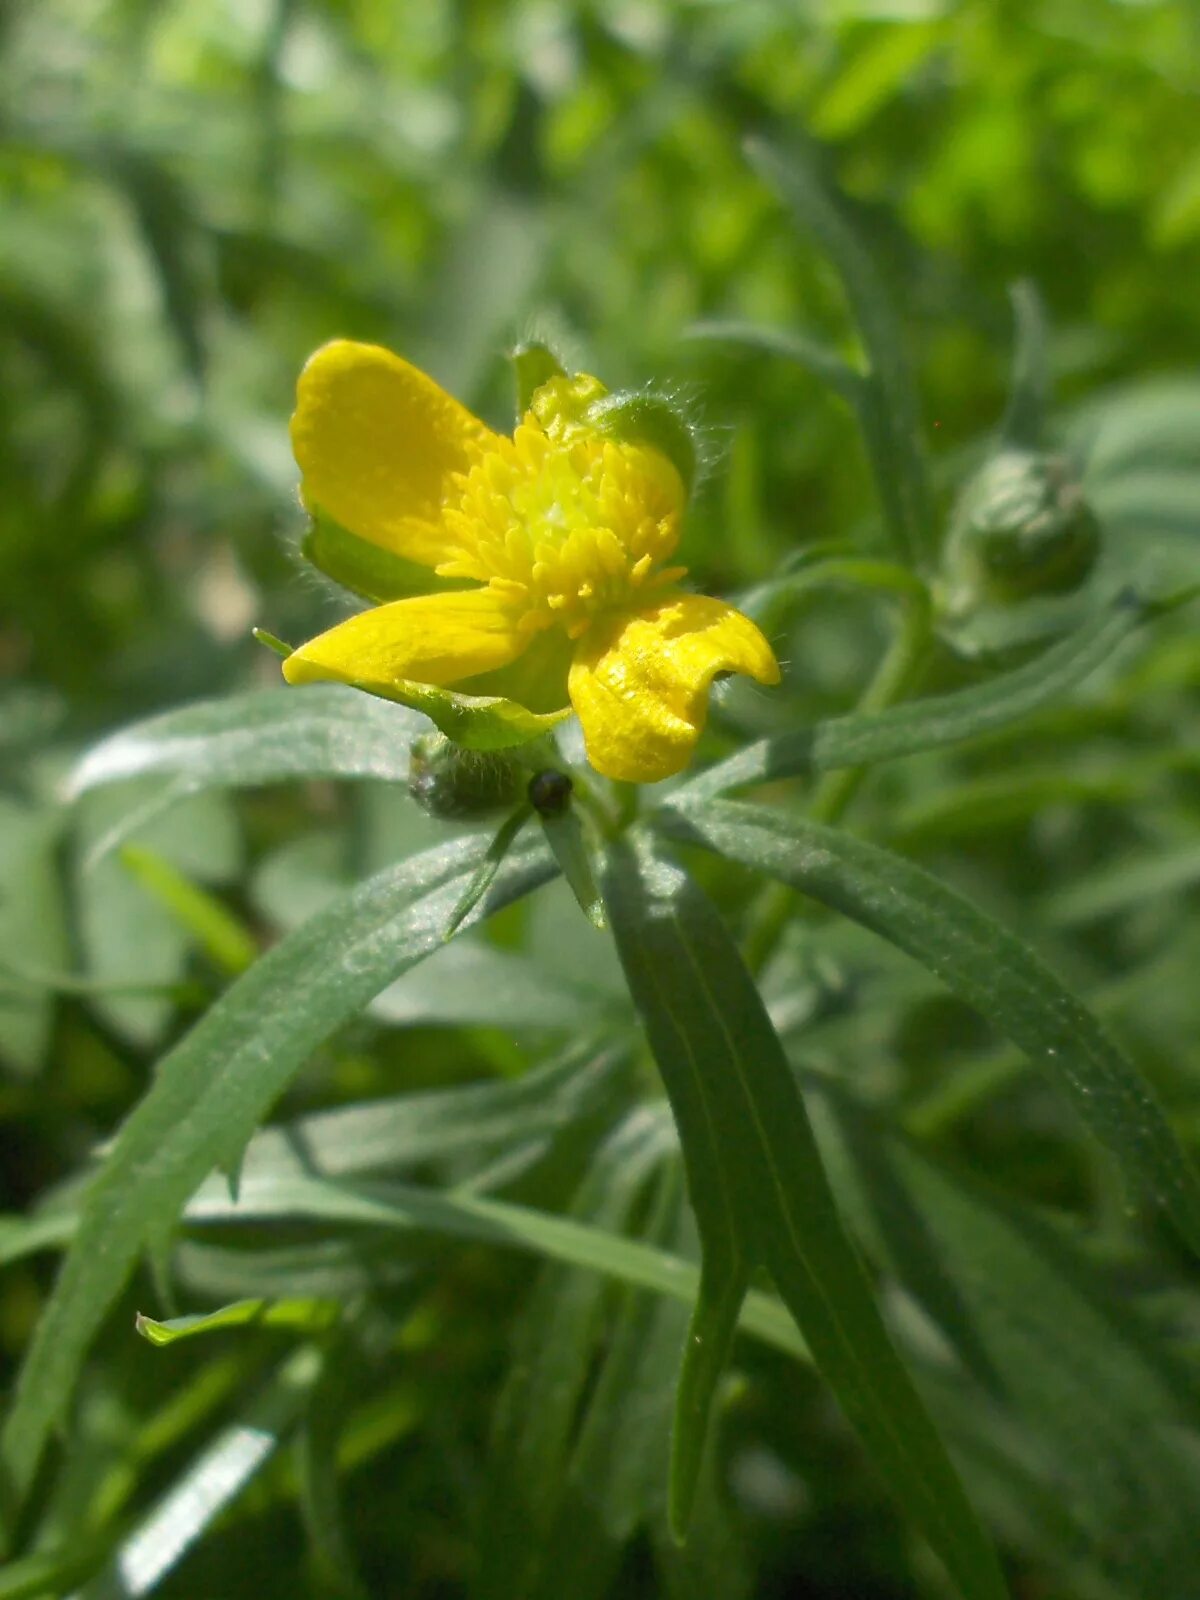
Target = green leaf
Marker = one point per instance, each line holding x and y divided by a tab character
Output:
981	962
365	569
762	1200
538	1410
479	885
1055	1341
861	739
217	1476
1024	424
1137	876
803	351
127	933
33	922
308	1316
888	407
565	836
472	1122
268	736
218	932
215	1086
460	1214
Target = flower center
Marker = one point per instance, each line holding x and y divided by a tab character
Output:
565	527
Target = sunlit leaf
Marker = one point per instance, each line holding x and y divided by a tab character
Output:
983	963
214	1087
761	1199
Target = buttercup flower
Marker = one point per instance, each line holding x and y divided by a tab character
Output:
552	547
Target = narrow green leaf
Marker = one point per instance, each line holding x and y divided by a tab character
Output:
33	921
215	1086
218	932
1024	424
585	1084
306	1316
889	410
1129	881
124	931
217	1476
1056	1342
930	724
267	736
762	1199
502	1224
486	872
472	1122
565	836
173	238
983	963
552	1361
817	358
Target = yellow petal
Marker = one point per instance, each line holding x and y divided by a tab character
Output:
376	442
640	683
436	639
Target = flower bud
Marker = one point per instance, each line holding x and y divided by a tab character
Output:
456	784
1021	527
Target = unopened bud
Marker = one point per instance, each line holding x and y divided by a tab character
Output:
1022	527
456	784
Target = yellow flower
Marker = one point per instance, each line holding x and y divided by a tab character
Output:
563	534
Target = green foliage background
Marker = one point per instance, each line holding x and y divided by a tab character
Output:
193	197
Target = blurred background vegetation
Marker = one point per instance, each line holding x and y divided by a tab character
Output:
194	194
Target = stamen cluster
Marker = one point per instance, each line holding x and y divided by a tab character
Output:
565	529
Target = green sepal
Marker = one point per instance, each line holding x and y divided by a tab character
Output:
652	419
477	722
533	364
365	569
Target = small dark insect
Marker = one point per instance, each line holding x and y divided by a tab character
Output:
549	793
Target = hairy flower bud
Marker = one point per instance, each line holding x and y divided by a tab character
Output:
454	784
1022	527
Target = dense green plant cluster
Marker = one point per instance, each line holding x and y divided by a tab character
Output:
883	1069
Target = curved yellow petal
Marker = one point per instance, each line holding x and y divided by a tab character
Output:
376	442
437	639
640	683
